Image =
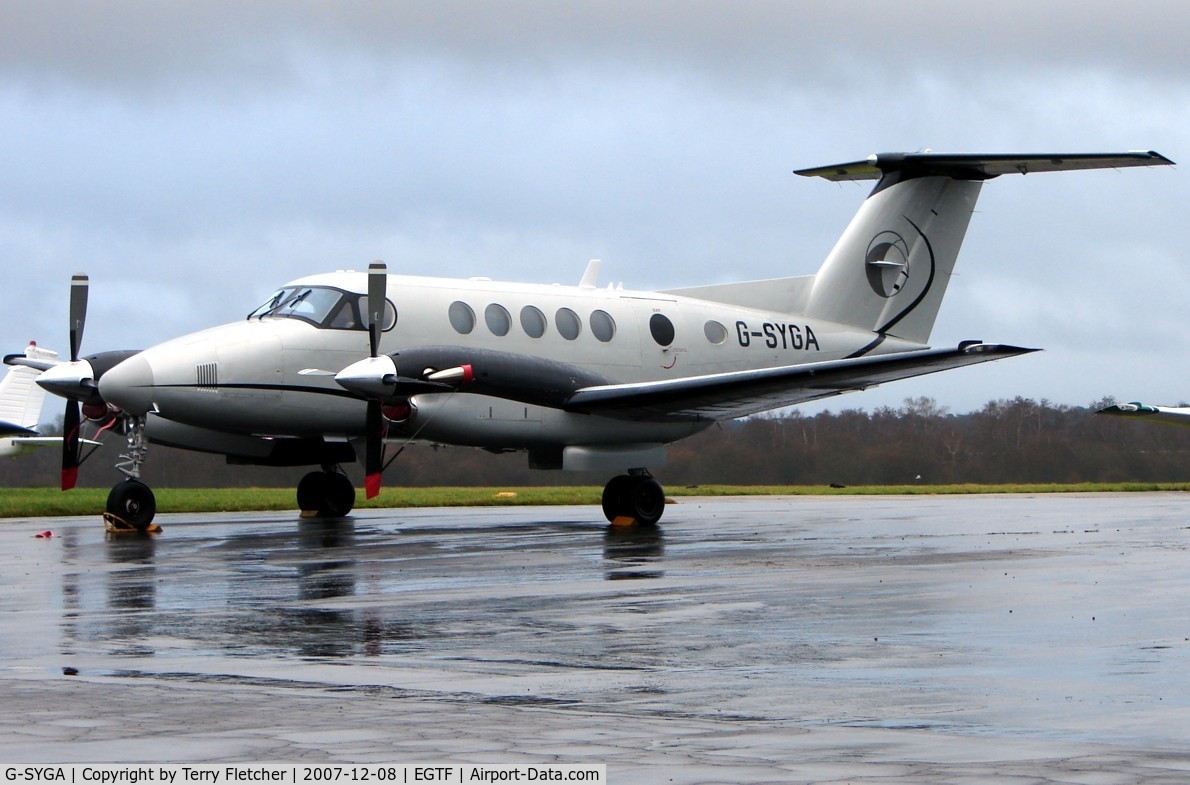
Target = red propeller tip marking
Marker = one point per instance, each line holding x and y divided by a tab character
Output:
69	478
372	486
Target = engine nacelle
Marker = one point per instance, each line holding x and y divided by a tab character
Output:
514	377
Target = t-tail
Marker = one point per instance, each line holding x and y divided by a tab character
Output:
20	397
890	269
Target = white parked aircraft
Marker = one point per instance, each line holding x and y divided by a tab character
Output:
20	405
1171	415
333	366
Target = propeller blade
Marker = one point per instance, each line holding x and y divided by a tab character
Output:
374	424
79	285
373	449
71	421
377	289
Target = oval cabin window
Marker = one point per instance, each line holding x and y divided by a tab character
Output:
603	326
532	321
497	319
462	318
568	323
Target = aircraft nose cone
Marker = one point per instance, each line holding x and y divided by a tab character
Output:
129	385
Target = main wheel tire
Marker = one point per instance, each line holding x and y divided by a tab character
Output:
646	500
327	494
134	502
311	491
615	496
340	496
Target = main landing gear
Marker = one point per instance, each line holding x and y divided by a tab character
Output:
326	494
635	495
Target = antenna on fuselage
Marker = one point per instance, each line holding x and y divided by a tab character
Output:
590	278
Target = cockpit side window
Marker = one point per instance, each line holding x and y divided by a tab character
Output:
344	316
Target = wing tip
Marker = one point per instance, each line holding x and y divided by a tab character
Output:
979	347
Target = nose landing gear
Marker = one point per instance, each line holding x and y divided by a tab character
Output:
132	502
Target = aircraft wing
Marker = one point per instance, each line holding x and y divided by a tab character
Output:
725	396
48	441
1171	415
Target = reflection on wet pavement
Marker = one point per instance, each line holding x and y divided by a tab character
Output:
633	552
1063	619
324	589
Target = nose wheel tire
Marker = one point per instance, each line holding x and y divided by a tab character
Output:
638	497
133	502
326	494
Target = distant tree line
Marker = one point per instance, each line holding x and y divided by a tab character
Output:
1006	441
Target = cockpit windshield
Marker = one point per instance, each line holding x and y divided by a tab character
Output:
323	307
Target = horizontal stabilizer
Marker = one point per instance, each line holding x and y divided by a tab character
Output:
979	166
29	362
12	429
724	396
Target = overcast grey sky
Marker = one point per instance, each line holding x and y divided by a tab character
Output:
191	157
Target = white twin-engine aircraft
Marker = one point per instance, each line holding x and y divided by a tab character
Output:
581	378
1169	415
20	406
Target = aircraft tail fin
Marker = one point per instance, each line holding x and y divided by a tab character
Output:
889	270
20	396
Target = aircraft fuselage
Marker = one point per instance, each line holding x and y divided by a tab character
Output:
273	375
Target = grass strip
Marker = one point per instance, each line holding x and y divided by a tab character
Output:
43	502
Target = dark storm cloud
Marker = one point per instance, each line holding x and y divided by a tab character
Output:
174	149
242	46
